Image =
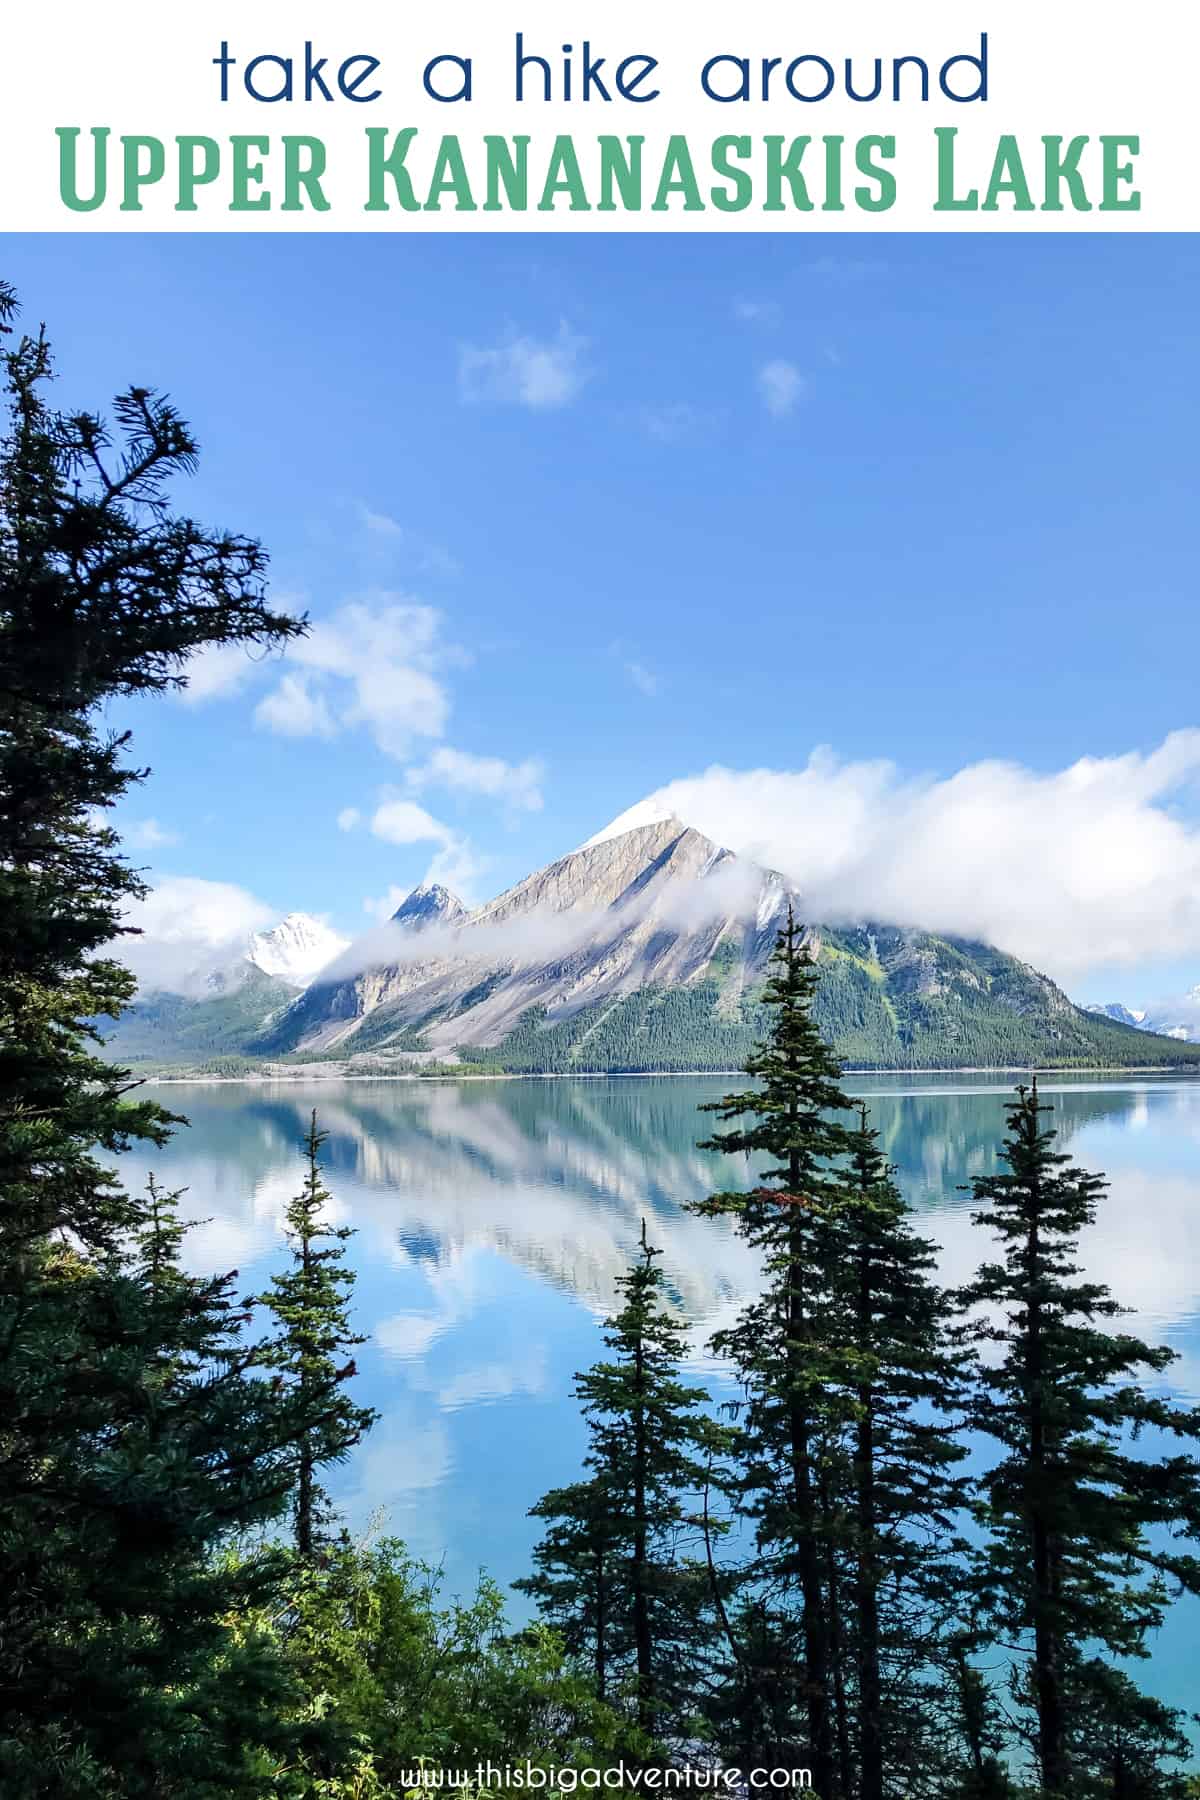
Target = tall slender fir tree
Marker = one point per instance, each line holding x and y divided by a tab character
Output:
310	1302
779	1344
1090	1524
611	1572
892	1359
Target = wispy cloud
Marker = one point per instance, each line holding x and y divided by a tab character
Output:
221	670
404	822
393	539
643	679
455	862
518	785
296	709
148	834
781	387
540	374
375	664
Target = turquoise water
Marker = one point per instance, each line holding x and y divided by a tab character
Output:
493	1219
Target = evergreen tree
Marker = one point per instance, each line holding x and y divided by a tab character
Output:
581	1586
310	1302
133	1433
779	1344
1087	1528
981	1774
890	1356
1119	1739
610	1570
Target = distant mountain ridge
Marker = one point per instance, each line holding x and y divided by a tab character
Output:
231	1002
646	949
1178	1019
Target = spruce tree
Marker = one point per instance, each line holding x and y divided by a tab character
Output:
133	1433
779	1345
581	1585
890	1355
310	1302
610	1570
1089	1526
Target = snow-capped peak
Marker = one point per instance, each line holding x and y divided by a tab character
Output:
296	949
651	811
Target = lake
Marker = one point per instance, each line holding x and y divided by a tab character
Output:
494	1217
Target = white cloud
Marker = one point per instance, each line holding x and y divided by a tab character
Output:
383	906
374	663
642	678
455	863
190	928
458	866
293	709
404	822
148	834
781	386
539	374
517	784
349	819
221	670
1089	865
381	524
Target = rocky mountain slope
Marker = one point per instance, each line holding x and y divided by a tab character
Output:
646	949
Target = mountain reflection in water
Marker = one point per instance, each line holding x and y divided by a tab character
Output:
493	1219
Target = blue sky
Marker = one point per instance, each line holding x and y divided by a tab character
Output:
580	517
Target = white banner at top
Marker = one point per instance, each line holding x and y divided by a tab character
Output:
533	116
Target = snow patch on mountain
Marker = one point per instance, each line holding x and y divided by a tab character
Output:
295	950
645	812
1178	1018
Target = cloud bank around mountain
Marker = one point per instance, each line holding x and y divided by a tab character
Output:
189	929
1091	866
1094	864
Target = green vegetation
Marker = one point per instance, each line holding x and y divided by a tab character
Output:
611	1573
136	1431
1078	1563
161	1028
947	1007
309	1302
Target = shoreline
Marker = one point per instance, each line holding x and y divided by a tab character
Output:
1074	1071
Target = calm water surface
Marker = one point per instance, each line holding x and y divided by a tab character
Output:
493	1219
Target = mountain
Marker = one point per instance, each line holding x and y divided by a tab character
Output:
296	949
429	904
229	1005
1178	1019
1114	1010
646	949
